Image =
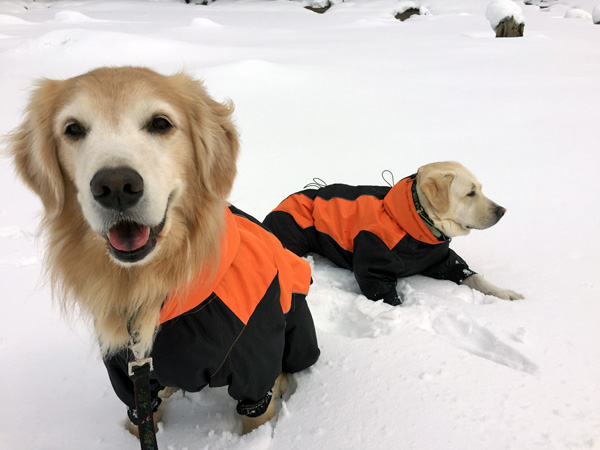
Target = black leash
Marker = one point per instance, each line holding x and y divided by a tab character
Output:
140	370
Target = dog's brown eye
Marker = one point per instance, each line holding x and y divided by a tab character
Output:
159	124
75	131
471	194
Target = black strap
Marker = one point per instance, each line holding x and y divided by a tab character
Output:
421	211
254	409
143	404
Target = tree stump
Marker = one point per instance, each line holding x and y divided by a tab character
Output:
509	27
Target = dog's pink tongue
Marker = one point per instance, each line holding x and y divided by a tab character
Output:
127	237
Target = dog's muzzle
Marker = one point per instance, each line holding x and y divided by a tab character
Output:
496	213
118	190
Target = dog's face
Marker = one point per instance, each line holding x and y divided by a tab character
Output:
131	143
452	197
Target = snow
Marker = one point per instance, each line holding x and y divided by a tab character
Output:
576	13
343	96
499	10
596	14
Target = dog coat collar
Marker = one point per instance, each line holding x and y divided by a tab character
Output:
205	283
403	205
250	259
420	210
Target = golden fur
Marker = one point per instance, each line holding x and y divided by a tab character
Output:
113	104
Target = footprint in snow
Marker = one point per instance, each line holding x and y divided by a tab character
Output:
478	340
338	307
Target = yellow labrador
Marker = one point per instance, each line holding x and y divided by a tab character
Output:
384	233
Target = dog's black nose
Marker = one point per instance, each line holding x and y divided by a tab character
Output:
500	211
119	188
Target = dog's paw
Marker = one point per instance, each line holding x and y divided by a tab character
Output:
480	284
507	294
157	416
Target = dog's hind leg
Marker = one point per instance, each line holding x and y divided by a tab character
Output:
251	423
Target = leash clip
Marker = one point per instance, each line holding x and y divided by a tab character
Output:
139	363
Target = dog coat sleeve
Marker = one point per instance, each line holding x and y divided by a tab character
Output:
122	384
375	267
453	268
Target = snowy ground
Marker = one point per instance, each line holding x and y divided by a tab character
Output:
343	96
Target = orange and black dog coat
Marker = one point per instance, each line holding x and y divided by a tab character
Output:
240	327
375	231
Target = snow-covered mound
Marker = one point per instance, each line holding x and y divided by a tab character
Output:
72	16
576	13
404	6
596	14
8	20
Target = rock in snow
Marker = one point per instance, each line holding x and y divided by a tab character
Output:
407	9
506	18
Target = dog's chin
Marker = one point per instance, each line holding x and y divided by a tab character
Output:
452	228
483	225
132	243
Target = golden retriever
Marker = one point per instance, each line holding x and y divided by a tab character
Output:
383	233
133	169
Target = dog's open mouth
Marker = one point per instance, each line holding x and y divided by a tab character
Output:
131	242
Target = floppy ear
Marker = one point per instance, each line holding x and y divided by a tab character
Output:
436	187
33	148
215	138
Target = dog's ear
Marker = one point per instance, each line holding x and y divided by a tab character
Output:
436	187
215	138
34	150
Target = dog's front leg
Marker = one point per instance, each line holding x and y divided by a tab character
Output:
251	423
480	284
157	416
